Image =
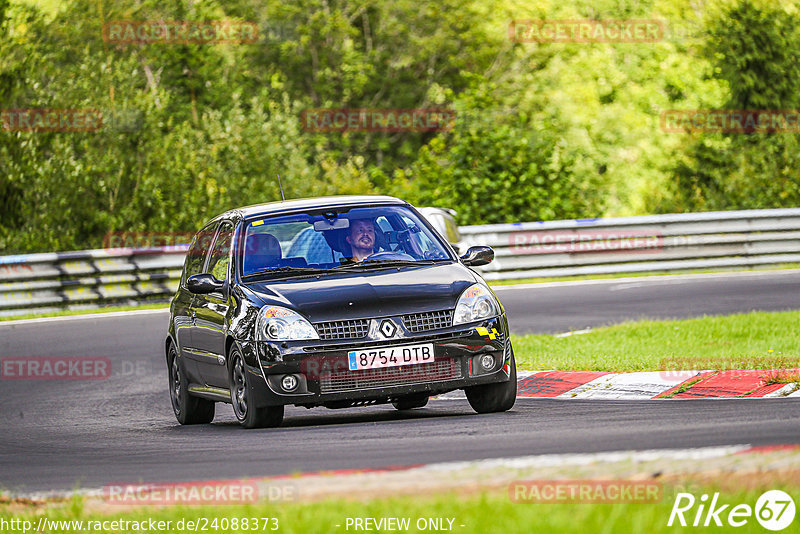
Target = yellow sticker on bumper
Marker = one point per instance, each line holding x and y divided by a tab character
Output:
482	331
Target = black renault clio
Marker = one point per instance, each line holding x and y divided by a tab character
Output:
336	302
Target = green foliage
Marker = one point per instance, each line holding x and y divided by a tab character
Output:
582	118
497	166
357	54
756	52
180	141
543	130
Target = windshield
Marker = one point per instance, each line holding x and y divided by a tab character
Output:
338	239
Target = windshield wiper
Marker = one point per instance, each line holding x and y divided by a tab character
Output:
390	263
310	271
286	270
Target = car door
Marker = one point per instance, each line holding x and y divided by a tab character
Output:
183	304
210	311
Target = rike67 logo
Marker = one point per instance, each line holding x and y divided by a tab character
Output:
774	510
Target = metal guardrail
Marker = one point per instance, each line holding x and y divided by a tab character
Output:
35	283
675	242
38	283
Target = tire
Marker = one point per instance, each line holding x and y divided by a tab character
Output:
189	410
410	402
248	415
499	397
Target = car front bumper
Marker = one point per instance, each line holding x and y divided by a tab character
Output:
324	377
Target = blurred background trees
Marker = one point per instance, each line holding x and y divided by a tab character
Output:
755	53
542	130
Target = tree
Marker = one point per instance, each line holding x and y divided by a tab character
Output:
497	166
756	51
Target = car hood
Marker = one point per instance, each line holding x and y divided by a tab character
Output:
369	294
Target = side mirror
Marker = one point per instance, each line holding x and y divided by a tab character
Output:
477	256
203	284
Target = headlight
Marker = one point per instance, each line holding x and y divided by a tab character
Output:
281	324
474	304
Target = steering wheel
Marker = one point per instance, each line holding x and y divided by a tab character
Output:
390	256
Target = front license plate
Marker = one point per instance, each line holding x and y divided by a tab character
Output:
390	356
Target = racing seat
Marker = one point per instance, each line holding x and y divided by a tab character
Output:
261	251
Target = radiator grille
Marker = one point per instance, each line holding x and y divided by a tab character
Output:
437	371
352	345
422	322
354	329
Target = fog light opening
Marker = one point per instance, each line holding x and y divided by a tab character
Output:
289	382
487	362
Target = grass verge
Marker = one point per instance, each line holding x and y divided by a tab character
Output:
479	512
758	340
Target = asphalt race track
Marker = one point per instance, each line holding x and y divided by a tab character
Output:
59	435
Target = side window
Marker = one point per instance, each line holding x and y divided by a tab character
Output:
445	226
218	264
453	233
198	250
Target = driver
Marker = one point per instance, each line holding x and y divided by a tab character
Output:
361	238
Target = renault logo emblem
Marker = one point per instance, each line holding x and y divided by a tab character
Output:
387	328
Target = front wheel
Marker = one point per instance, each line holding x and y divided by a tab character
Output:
243	407
189	410
489	398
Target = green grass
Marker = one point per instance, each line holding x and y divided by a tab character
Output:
65	313
483	512
744	341
613	276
